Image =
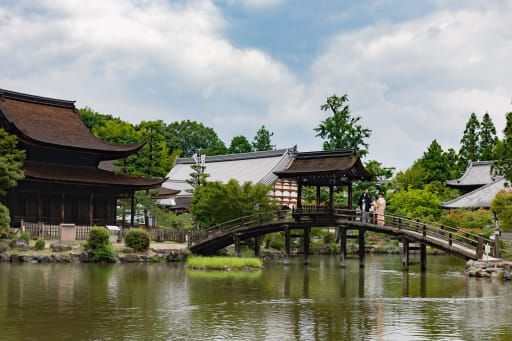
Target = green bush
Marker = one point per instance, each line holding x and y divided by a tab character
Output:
137	239
25	236
40	244
98	245
5	221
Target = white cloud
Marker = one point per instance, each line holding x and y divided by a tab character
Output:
420	80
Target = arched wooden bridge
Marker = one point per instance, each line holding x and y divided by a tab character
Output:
445	238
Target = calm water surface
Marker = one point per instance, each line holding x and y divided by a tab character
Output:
317	302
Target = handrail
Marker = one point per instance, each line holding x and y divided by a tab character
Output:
426	230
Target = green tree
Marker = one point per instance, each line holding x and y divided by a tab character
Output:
342	130
215	202
198	176
11	162
488	138
469	149
415	203
240	144
436	164
190	136
503	164
502	205
262	141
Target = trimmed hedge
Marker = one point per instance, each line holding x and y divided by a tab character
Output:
98	245
137	239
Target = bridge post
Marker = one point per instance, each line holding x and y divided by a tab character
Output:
307	230
236	241
496	245
343	244
257	246
405	253
287	244
480	247
361	246
423	256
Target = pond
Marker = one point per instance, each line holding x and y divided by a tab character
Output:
320	301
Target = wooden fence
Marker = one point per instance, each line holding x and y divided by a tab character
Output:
48	231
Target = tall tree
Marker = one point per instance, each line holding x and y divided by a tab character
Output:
435	163
488	138
11	171
240	144
262	141
469	149
342	130
503	164
190	136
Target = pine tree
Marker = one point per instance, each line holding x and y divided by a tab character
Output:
488	138
503	164
262	141
469	149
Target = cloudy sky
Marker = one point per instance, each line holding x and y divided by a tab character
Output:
413	70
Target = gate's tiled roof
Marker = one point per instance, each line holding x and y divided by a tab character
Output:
477	174
478	198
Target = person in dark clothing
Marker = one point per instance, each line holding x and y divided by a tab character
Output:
364	203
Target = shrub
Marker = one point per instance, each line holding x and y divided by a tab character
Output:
137	239
25	236
40	244
5	221
98	245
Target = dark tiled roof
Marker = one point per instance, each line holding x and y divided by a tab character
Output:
73	174
318	165
53	122
238	156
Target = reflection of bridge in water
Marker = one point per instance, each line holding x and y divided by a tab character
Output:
348	224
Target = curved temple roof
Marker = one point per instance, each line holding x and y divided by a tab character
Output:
55	122
321	168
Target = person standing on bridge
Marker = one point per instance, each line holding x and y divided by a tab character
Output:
364	203
380	206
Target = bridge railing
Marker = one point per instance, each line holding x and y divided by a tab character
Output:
447	233
250	220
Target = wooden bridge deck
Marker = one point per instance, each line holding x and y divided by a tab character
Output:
445	238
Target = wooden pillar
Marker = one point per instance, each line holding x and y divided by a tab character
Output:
236	241
91	209
343	244
405	253
287	244
299	195
423	256
496	245
39	207
132	209
350	196
480	247
257	246
361	246
62	209
331	198
318	196
306	244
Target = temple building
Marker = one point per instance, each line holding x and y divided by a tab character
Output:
64	182
477	185
254	167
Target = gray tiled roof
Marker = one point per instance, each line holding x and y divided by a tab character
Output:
478	198
478	173
255	167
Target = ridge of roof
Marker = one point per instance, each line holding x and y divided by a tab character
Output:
36	99
239	156
471	177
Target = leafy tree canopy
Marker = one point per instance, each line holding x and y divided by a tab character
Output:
342	130
503	164
215	202
502	205
190	136
415	203
240	144
11	161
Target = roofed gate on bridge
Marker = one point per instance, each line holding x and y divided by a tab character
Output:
325	169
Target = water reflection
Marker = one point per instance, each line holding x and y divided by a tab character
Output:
320	301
